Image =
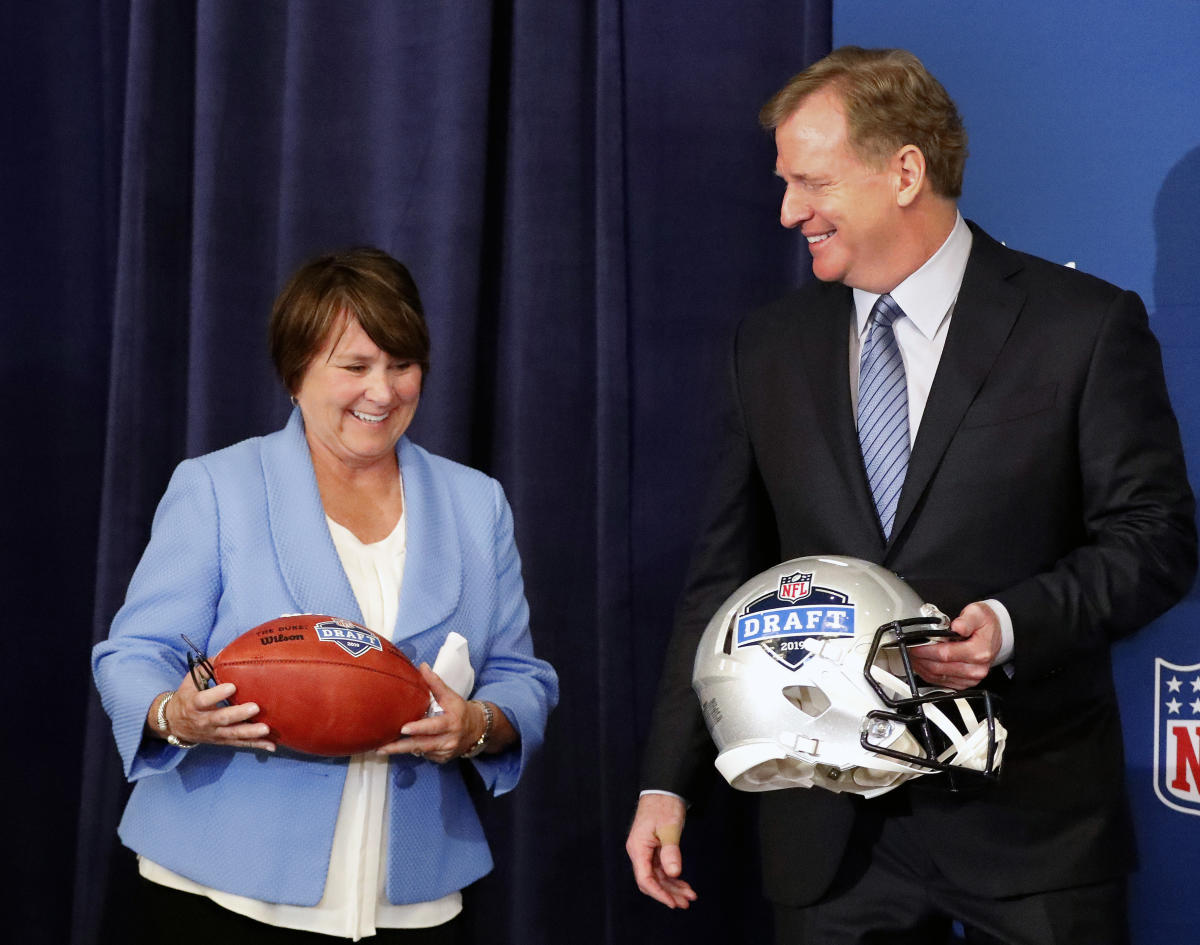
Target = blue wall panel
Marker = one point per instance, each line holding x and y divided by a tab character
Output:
1084	122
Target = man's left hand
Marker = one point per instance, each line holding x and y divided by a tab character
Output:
961	664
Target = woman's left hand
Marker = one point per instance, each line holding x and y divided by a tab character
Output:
443	737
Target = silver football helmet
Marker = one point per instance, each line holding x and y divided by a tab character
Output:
805	680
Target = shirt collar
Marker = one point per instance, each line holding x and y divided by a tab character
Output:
926	295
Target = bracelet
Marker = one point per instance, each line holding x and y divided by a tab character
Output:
488	717
165	728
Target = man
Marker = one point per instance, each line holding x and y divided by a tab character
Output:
1040	496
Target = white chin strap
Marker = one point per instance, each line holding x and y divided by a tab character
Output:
968	743
970	750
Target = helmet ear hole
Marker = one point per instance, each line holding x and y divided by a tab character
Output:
808	699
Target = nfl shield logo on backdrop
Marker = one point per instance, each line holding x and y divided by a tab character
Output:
1177	735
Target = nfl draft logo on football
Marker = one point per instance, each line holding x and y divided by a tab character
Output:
1177	735
349	636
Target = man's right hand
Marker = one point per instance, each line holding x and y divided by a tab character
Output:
653	848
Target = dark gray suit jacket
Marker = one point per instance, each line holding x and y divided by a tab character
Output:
1047	473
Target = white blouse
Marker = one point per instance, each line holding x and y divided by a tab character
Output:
355	901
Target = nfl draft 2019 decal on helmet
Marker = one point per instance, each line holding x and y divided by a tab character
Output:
805	680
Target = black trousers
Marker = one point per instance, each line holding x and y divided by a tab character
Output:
180	918
888	891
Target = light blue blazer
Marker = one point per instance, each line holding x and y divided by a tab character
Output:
239	538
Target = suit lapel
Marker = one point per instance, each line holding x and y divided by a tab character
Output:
825	341
987	307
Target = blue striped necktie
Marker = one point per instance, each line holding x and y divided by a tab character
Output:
883	411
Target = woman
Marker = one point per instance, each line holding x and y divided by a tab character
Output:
337	513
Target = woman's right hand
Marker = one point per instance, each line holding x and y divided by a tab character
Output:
197	716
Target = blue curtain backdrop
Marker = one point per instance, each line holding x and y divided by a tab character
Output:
585	199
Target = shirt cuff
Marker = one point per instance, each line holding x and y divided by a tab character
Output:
665	794
1004	657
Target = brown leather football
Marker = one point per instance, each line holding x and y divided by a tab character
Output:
325	685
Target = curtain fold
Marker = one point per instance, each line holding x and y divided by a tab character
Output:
587	204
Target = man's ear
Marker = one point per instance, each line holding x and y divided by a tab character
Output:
909	166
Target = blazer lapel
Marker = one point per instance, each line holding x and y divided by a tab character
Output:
433	569
987	307
304	548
